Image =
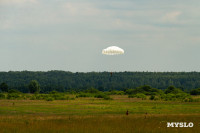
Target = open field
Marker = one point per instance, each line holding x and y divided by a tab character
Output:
85	115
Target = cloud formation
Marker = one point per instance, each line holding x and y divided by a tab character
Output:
69	35
12	2
77	9
171	16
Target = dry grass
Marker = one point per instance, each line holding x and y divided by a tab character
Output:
89	115
95	124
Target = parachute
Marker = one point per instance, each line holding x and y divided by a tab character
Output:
113	50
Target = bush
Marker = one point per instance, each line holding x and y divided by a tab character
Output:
4	87
182	95
147	90
173	90
100	95
73	98
138	95
34	87
2	96
92	90
152	97
38	97
115	92
33	98
195	91
59	96
13	91
53	92
190	99
172	97
49	99
157	98
13	96
129	91
85	95
131	96
106	97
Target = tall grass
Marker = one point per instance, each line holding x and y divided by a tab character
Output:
96	124
95	115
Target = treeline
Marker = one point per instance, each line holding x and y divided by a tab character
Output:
62	81
143	92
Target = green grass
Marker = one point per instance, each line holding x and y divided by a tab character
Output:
96	115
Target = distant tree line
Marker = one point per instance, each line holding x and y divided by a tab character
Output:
62	81
144	92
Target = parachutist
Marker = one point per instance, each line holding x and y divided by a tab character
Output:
112	50
145	115
127	112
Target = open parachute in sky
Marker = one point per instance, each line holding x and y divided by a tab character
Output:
113	50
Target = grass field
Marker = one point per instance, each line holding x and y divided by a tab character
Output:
91	115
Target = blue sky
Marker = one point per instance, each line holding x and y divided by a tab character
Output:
42	35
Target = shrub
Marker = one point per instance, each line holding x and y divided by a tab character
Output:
2	96
152	97
147	90
57	96
156	98
130	91
106	97
13	91
115	92
138	95
100	95
141	95
4	87
182	95
173	90
170	97
38	97
195	91
53	92
85	95
49	99
33	98
13	96
92	90
34	87
131	96
73	98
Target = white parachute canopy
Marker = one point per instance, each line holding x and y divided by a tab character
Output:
113	50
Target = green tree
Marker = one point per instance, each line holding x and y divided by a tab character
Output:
195	91
172	89
34	87
92	90
4	87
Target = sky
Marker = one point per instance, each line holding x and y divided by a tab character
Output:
69	35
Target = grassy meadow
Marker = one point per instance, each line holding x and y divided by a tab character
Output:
91	115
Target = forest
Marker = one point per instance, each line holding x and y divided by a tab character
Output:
63	81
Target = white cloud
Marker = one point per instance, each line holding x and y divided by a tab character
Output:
10	2
171	16
6	25
84	9
55	25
